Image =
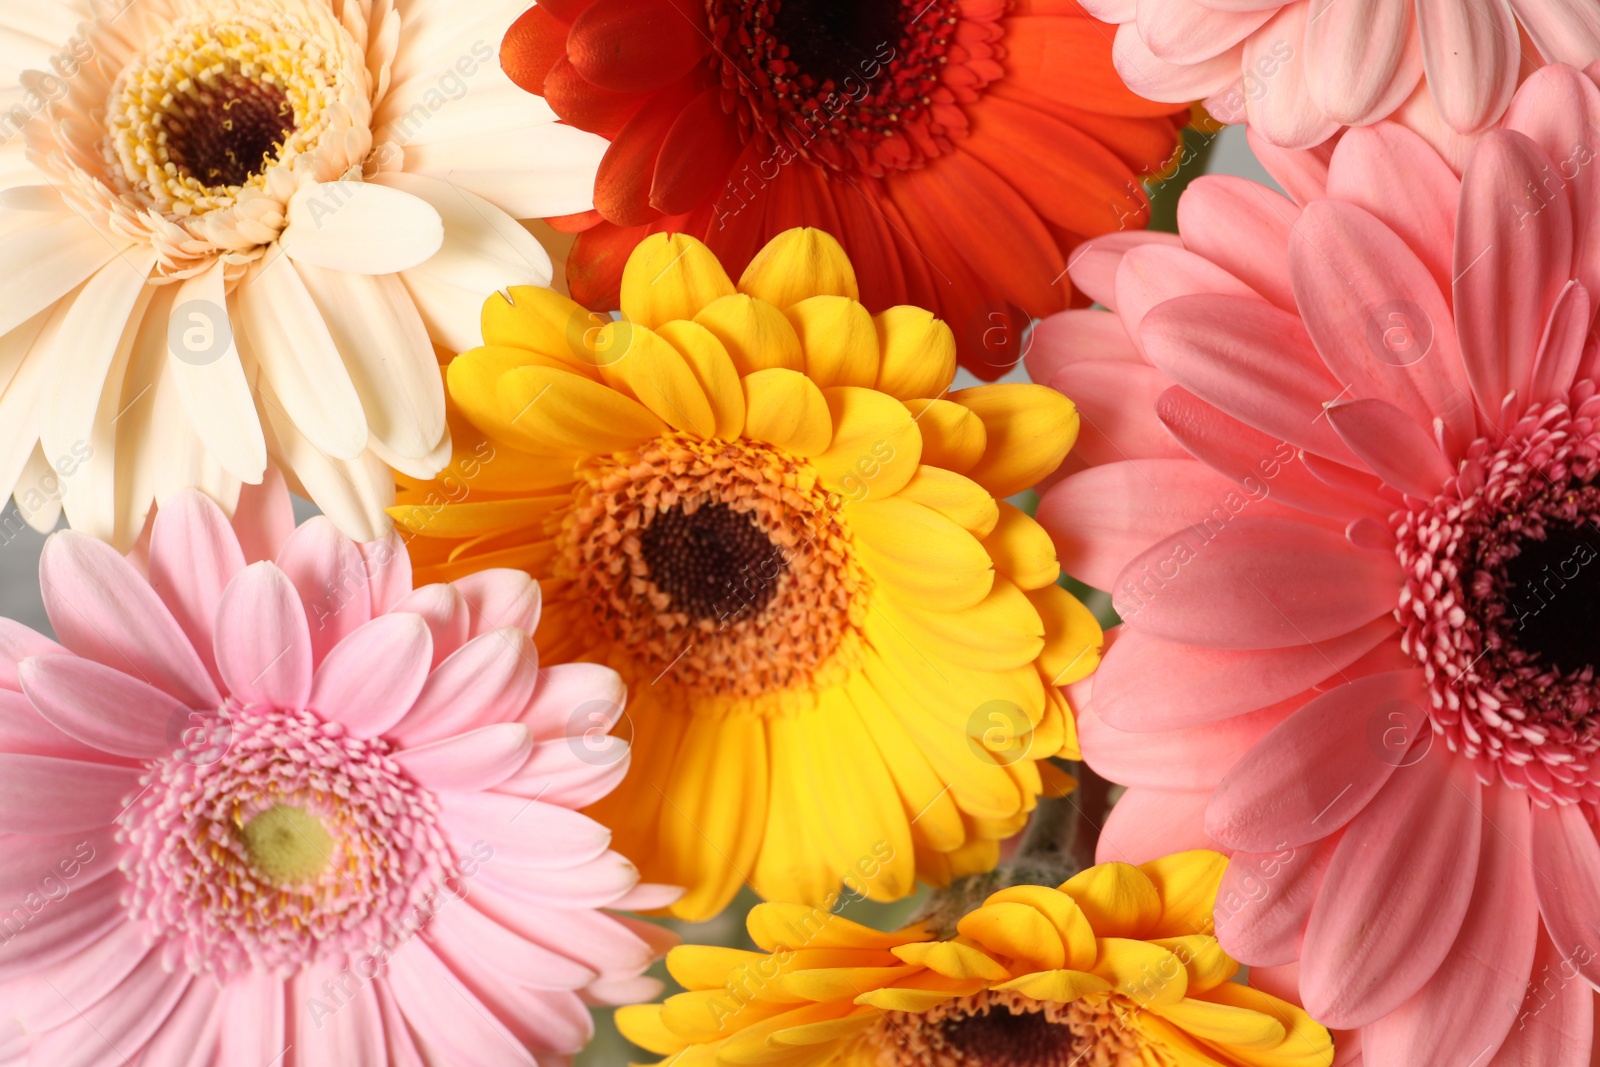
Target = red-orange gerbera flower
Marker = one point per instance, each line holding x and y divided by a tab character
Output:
957	148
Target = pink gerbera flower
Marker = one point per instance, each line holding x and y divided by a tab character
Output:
1298	70
295	812
1344	483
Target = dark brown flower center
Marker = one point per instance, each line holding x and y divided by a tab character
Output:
226	132
1006	1029
829	41
1552	586
714	562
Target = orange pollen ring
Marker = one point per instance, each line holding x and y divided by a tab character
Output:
755	586
1003	1027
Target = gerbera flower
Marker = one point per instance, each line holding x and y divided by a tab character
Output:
233	230
762	506
1344	494
1116	967
300	813
957	148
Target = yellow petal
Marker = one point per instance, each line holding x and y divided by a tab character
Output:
958	499
670	276
922	552
917	1000
799	263
952	436
641	1024
1187	884
1070	749
839	340
793	864
755	333
543	321
1116	898
473	379
916	353
712	966
1224	1024
545	410
1064	914
713	1014
714	370
479	463
999	632
938	823
839	983
1050	736
953	960
1030	430
1307	1042
715	811
786	409
475	518
1145	973
1022	550
775	926
1016	931
653	372
1073	639
1057	987
875	446
827	1032
1203	958
758	1045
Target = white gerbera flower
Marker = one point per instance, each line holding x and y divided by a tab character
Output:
233	232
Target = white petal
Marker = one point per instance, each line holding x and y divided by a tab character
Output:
484	248
360	227
38	493
531	172
21	403
210	377
284	333
454	315
386	349
351	492
440	106
44	261
422	468
439	35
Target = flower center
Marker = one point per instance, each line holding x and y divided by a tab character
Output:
718	567
1005	1029
866	86
297	843
1503	598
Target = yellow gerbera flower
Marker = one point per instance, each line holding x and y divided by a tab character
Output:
1116	968
761	504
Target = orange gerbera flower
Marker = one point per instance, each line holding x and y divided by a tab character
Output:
957	148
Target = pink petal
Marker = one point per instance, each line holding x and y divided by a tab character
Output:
1093	264
1117	406
1555	1027
478	759
1354	53
370	680
1392	446
499	597
489	679
1073	336
509	894
58	934
330	575
1243	228
1301	174
1260	583
1377	317
252	1010
192	1033
105	708
58	992
1153	274
1561	348
1394	175
1506	242
1250	359
471	940
1265	900
1191	759
1183	31
1563	32
24	731
1559	108
1146	824
264	517
388	571
103	610
18	643
1144	683
125	1020
1283	111
1156	79
1401	880
45	795
447	615
1566	857
263	644
194	553
402	1048
1471	57
1319	769
1252	458
574	771
574	698
450	1023
1465	1011
648	897
337	1021
523	833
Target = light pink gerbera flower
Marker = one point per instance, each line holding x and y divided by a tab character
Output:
298	813
1344	485
1298	70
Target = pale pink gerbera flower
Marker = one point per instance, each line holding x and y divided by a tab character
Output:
235	230
296	812
1344	484
1298	70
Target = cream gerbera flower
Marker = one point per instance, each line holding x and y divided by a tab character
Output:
235	229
